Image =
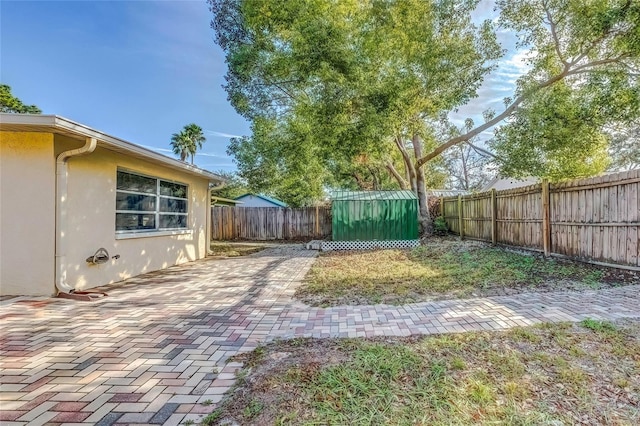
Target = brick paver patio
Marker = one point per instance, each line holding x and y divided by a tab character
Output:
155	349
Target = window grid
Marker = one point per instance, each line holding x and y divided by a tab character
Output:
156	212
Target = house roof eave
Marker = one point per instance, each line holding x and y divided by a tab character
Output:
64	126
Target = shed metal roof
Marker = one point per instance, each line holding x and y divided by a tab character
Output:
372	195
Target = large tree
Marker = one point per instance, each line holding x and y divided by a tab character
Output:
343	79
10	103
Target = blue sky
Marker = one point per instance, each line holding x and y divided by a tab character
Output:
140	70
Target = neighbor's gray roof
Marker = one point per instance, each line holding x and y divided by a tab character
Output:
64	126
226	200
447	192
372	195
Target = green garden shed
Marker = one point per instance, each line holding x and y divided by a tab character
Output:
374	216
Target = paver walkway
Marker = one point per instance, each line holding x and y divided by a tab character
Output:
155	349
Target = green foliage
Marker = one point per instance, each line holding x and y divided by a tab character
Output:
279	162
554	135
583	78
211	418
440	226
599	326
188	141
327	84
10	103
253	409
234	187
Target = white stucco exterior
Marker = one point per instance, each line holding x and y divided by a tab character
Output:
27	222
28	209
91	223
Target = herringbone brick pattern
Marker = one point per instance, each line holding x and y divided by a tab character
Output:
155	349
151	352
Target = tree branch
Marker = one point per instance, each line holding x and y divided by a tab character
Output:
567	71
405	154
470	134
554	33
583	68
482	151
401	181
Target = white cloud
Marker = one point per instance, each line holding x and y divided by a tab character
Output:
221	134
207	154
519	61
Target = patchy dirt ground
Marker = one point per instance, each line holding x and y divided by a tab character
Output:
587	374
223	249
446	268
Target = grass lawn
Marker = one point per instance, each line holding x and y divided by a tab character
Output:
224	249
445	268
542	375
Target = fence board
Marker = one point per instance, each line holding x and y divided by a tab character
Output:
270	223
596	219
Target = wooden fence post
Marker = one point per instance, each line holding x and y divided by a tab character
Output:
317	222
494	217
442	207
460	222
546	218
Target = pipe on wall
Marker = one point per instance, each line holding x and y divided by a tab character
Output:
61	210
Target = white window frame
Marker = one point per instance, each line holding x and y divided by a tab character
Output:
157	212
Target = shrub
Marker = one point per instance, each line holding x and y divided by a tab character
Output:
440	226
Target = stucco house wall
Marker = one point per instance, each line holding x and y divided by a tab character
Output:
91	223
28	214
27	221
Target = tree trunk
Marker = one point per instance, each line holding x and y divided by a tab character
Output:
393	172
423	200
407	177
408	164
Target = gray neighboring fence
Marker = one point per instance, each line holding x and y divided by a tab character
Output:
270	223
595	220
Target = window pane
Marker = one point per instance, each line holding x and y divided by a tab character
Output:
173	189
173	221
129	221
131	182
172	205
145	203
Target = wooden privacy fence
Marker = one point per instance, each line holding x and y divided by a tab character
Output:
595	220
269	223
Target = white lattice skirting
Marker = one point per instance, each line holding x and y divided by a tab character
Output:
368	245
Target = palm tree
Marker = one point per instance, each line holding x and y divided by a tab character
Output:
188	141
180	144
196	136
